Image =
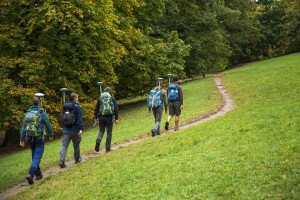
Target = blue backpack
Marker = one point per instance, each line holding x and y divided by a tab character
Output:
173	92
154	99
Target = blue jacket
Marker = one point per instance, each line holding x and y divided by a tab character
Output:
79	120
45	122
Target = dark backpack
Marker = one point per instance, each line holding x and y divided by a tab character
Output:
33	120
68	118
173	94
107	106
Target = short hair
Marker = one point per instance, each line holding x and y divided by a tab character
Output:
35	101
73	96
109	90
175	78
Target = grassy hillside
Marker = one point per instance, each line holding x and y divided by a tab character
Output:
251	153
200	97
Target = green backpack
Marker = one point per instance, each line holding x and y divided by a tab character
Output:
107	105
33	121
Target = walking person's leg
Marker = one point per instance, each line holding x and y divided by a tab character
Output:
38	154
30	176
109	127
76	139
158	116
101	133
177	113
171	114
63	152
153	131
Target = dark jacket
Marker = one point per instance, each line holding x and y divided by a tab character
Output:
179	94
45	122
79	119
116	108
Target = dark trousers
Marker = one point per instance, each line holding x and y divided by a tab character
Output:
157	113
105	122
66	139
37	151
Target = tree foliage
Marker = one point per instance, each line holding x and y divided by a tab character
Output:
46	45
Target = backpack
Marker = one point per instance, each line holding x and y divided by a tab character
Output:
107	106
68	118
33	121
173	92
154	99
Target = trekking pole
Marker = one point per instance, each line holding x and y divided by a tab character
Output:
159	82
169	75
100	85
64	90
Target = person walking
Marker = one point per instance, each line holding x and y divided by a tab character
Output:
32	134
72	123
175	100
106	113
156	101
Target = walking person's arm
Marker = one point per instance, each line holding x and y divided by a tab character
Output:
180	96
116	109
47	123
80	120
23	134
96	111
165	99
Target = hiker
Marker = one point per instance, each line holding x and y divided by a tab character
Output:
156	101
106	113
72	123
32	134
175	99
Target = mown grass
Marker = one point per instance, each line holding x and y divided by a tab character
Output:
251	153
200	97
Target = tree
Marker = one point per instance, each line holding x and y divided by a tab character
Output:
197	25
52	44
290	35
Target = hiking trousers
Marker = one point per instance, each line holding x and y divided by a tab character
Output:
157	112
66	139
105	122
37	151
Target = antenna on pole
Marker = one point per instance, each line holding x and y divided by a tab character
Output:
100	85
64	91
39	96
169	75
159	82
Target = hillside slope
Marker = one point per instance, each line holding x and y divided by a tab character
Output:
251	153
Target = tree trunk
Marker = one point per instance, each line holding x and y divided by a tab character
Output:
203	74
11	137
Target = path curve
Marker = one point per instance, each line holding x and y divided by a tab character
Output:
226	107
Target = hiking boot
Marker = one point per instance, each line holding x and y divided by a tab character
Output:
30	179
38	177
62	164
167	126
97	146
78	161
107	150
153	132
157	133
176	128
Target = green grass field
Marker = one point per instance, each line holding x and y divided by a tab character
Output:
253	152
200	97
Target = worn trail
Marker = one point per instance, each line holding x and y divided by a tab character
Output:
226	107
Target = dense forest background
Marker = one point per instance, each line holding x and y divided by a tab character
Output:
49	44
